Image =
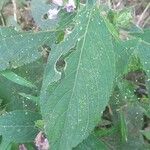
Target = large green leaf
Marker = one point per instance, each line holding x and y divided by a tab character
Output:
19	48
18	126
72	106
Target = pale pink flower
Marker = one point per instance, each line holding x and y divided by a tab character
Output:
58	2
22	147
52	13
70	6
41	142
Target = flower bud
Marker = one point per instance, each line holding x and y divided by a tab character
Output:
58	2
70	6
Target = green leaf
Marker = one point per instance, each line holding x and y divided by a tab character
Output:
134	117
17	79
30	97
127	113
123	127
19	48
91	143
143	51
112	29
123	18
72	107
18	126
124	51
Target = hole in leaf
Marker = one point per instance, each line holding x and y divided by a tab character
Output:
60	64
45	17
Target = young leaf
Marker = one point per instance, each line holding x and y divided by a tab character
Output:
19	48
17	79
72	107
18	126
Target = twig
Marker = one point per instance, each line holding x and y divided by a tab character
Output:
110	110
109	4
2	19
15	9
142	15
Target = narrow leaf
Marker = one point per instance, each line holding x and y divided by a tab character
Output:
123	127
17	79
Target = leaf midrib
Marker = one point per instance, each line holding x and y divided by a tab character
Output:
76	75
